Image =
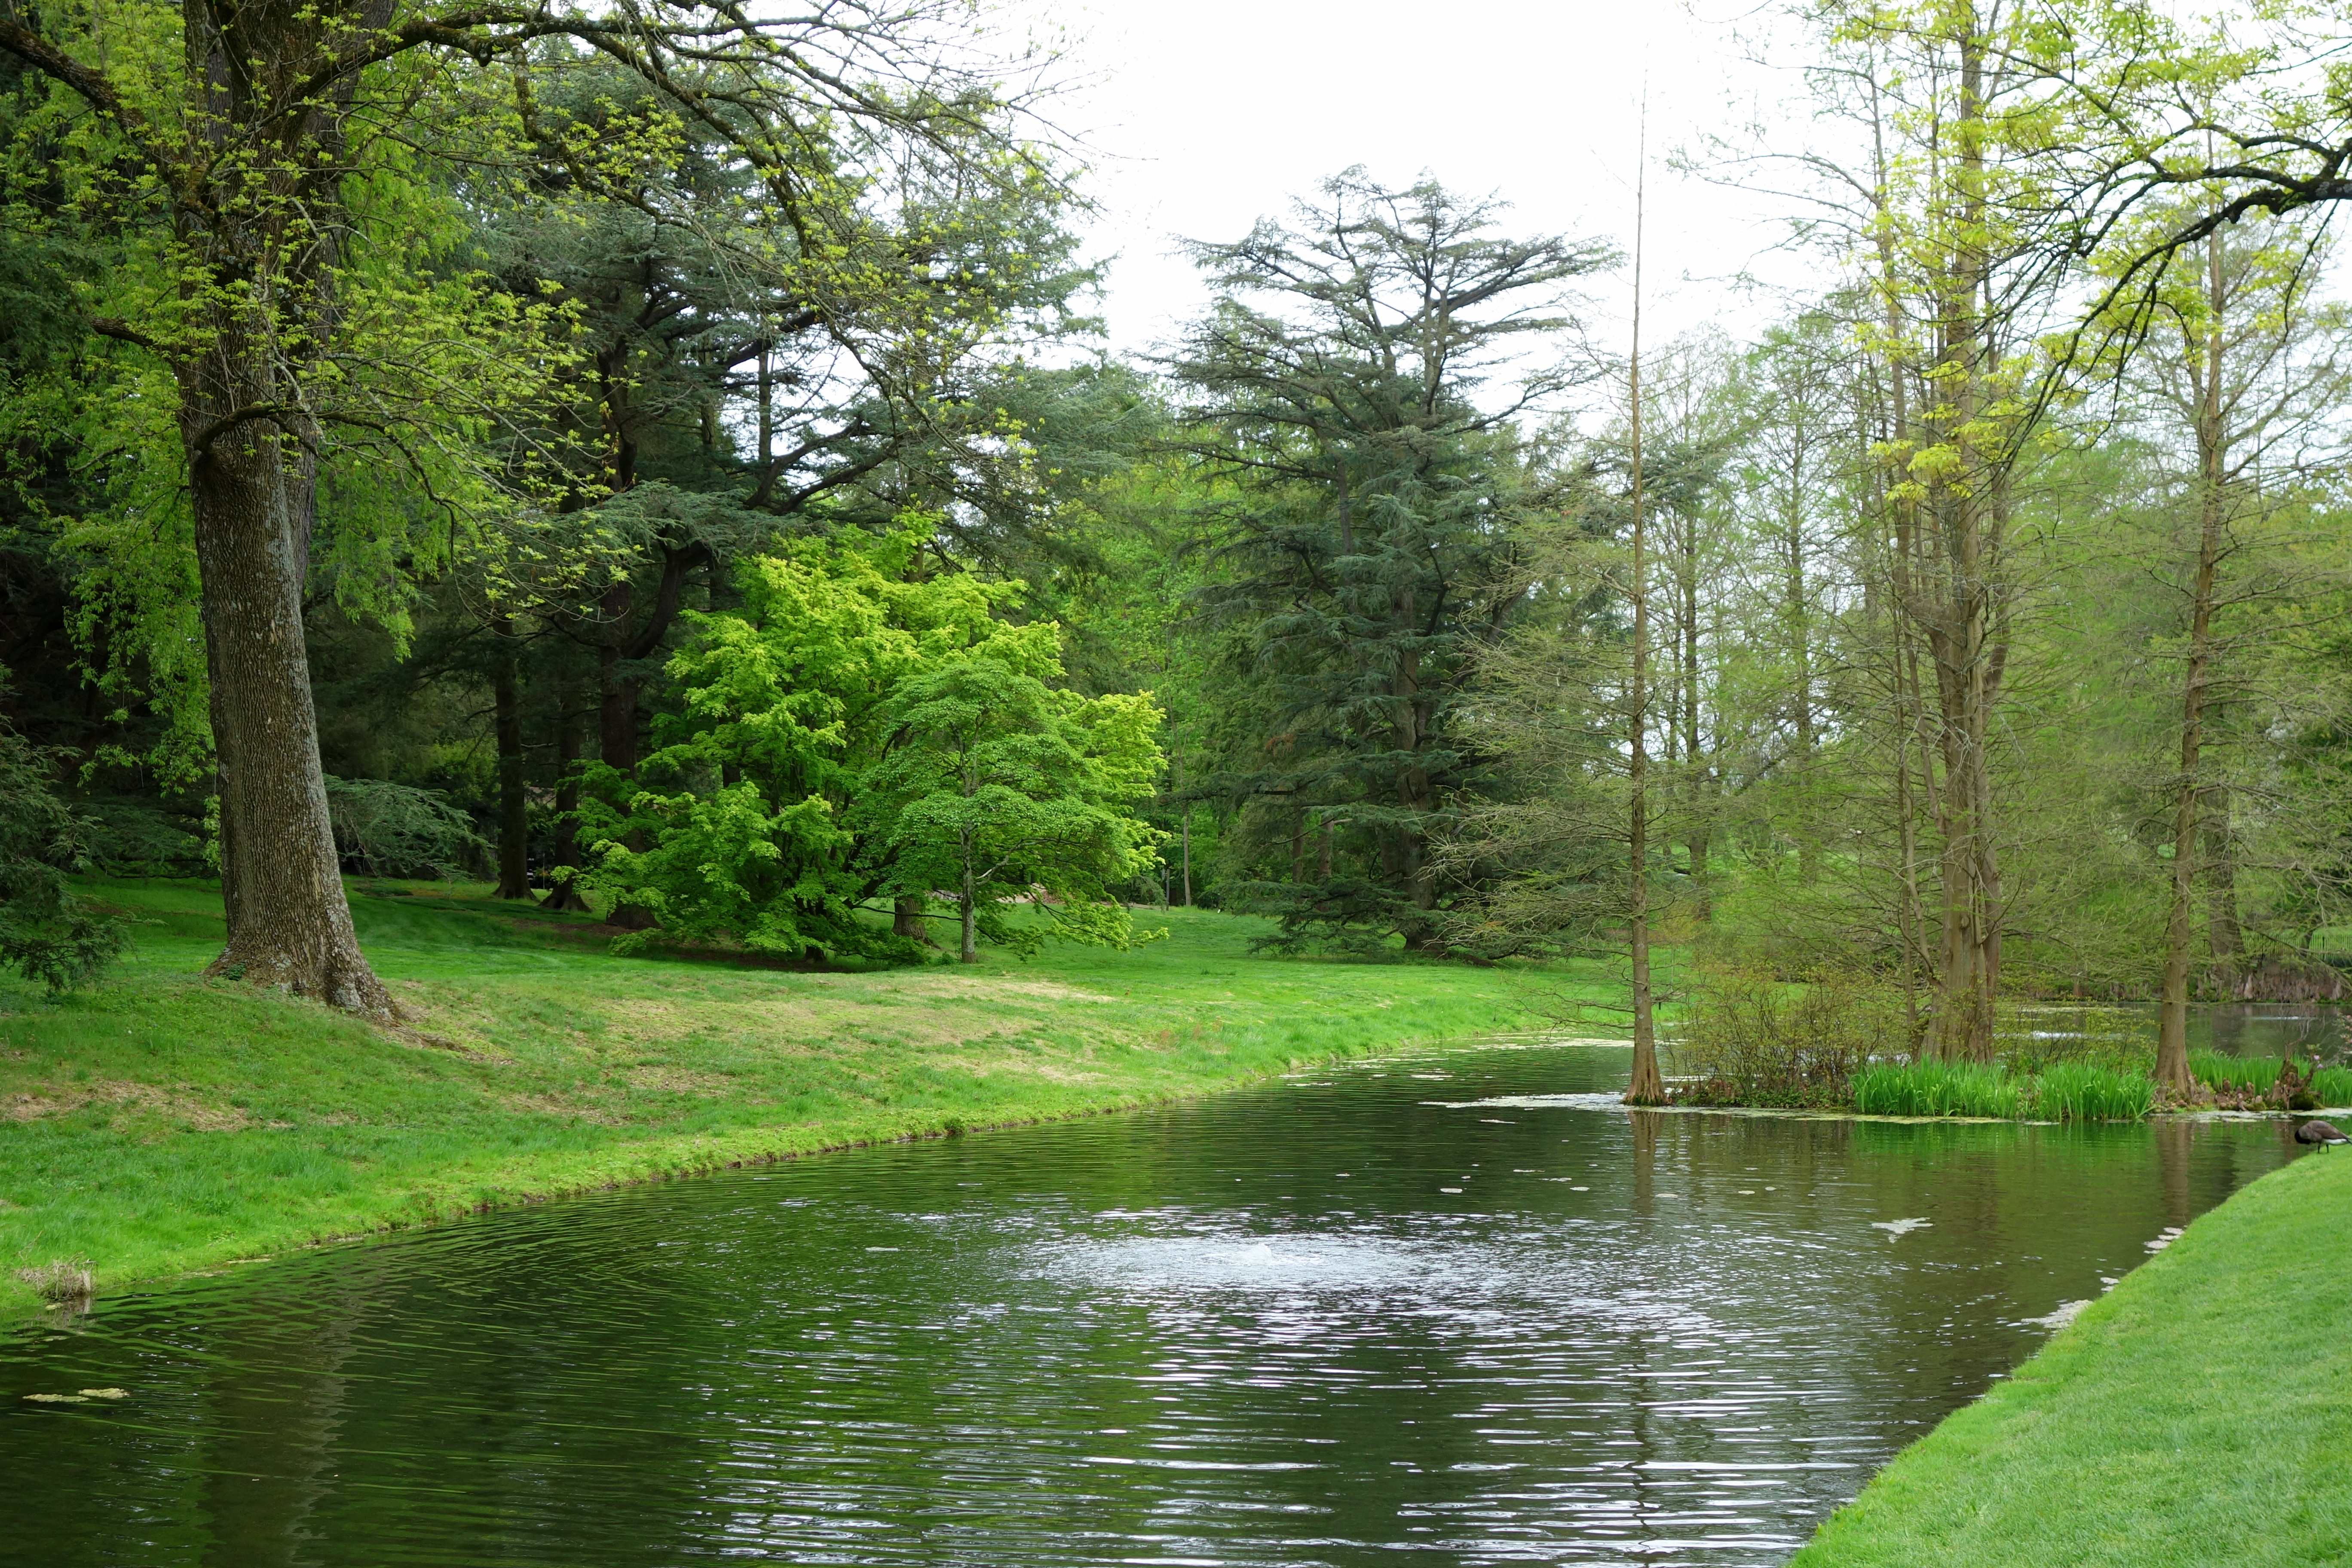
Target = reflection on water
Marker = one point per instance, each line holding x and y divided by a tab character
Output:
2273	1028
1327	1322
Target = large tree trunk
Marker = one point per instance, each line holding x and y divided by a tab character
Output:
514	837
907	918
1965	620
290	924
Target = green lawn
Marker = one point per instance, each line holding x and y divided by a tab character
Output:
2201	1413
163	1122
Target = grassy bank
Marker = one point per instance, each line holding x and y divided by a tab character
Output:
164	1122
2201	1413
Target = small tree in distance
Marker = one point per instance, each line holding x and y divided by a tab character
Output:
999	788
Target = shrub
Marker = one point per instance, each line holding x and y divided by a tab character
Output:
1753	1038
44	930
2084	1092
2034	1038
390	830
1937	1088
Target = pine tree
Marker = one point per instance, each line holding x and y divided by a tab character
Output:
1367	553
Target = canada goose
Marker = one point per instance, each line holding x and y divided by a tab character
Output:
2320	1132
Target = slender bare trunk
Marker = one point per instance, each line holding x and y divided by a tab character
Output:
1646	1087
1188	858
1960	621
1698	839
968	907
2172	1017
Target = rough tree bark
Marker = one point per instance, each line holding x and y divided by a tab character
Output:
290	924
1959	605
907	918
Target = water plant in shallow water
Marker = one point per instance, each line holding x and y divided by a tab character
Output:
2084	1092
1937	1088
2232	1075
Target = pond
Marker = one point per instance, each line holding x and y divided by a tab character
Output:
1356	1317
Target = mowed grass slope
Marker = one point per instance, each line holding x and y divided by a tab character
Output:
2201	1413
163	1122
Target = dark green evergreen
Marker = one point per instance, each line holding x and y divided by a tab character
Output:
1360	387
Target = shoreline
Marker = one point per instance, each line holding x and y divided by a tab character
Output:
526	1195
164	1125
2199	1412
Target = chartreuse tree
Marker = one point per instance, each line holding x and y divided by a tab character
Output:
999	787
266	192
857	736
741	827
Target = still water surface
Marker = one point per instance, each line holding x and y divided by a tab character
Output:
1355	1318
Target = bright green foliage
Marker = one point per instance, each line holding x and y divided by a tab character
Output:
1937	1088
2195	1416
2084	1092
2061	1091
2329	1086
999	786
786	703
854	732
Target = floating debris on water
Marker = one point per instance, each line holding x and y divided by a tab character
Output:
1896	1227
2067	1313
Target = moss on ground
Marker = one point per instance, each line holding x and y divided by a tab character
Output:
164	1122
2199	1413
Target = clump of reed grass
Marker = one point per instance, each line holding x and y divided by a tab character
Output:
2246	1077
63	1279
1938	1089
2244	1074
2086	1091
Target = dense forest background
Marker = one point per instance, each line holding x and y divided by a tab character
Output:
754	543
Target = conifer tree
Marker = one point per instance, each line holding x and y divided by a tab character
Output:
1345	386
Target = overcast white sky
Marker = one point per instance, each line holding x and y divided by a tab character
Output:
1205	115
